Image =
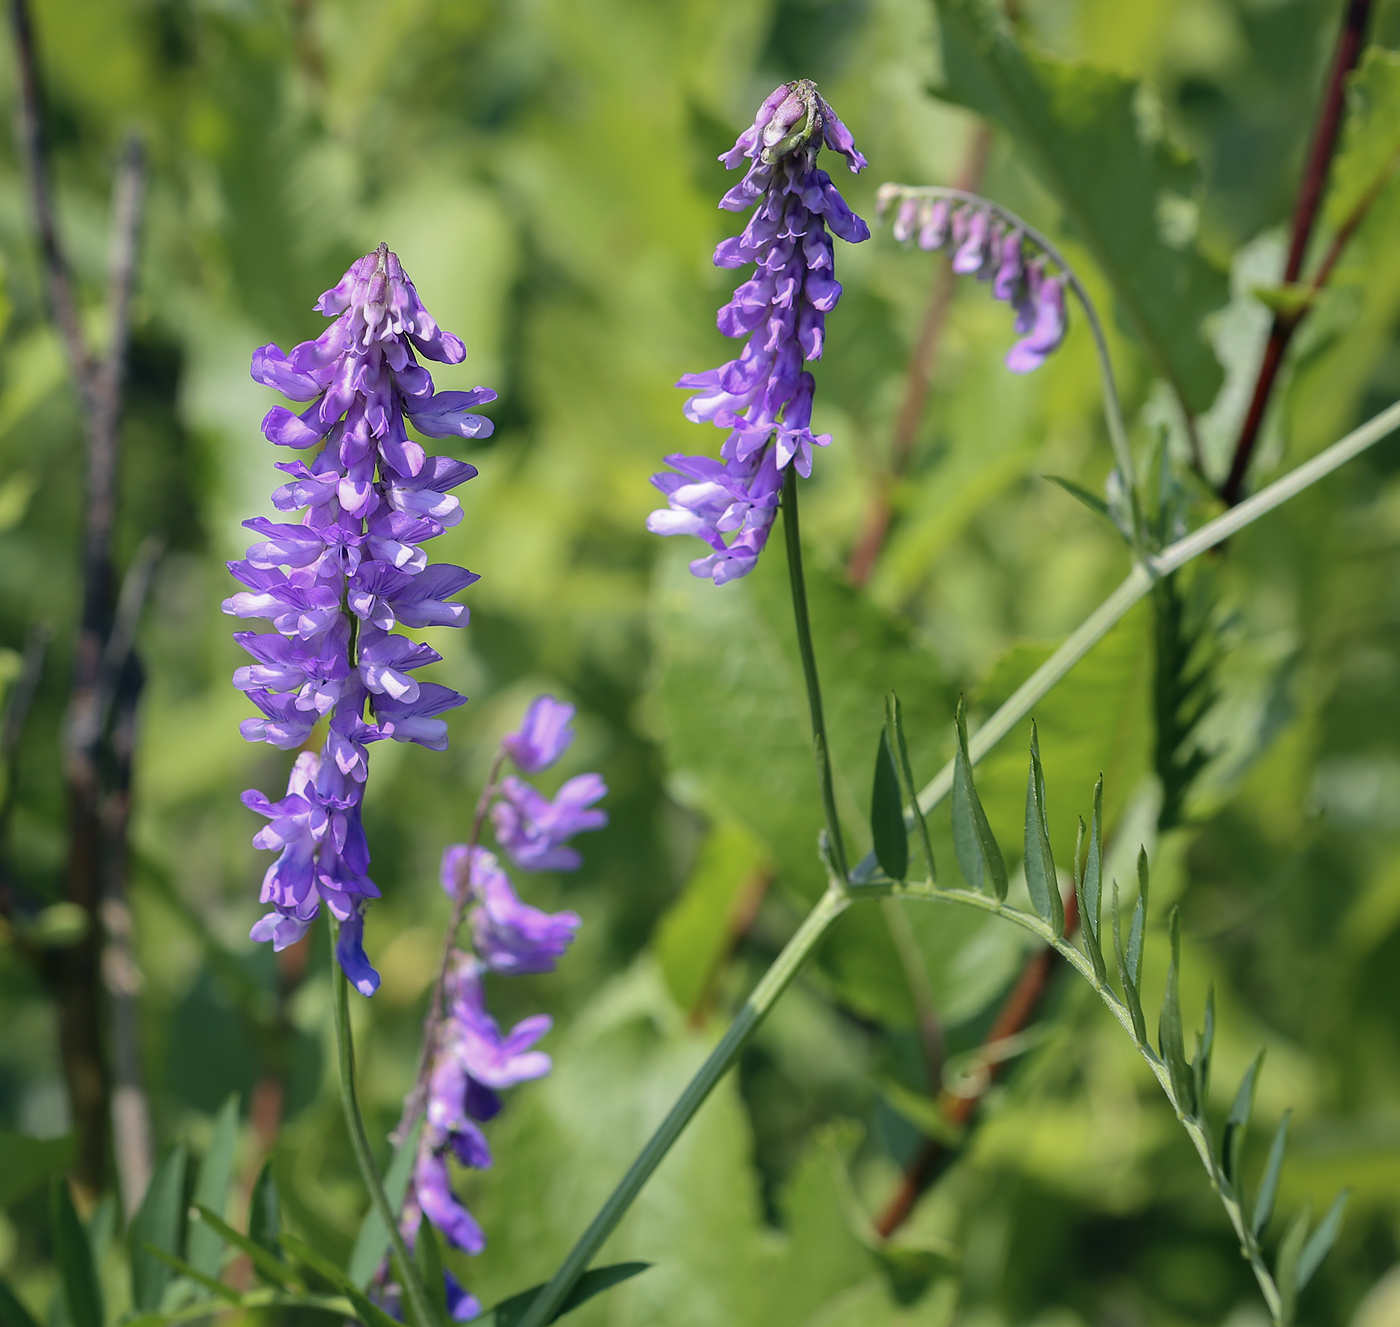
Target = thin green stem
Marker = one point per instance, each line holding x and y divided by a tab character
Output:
765	995
792	535
359	1144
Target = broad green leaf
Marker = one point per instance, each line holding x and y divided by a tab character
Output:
1237	1124
894	721
203	1246
1091	887
156	1225
25	1163
77	1278
1170	1037
265	1210
979	857
509	1311
1370	143
373	1239
12	1311
265	1262
1290	1250
887	830
1321	1240
1041	879
694	937
1124	189
1268	1185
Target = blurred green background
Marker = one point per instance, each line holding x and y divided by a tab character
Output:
547	172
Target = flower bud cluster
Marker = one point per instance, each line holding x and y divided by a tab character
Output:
338	581
473	1060
764	398
985	245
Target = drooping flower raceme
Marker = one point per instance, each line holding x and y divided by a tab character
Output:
764	398
985	245
474	1060
339	579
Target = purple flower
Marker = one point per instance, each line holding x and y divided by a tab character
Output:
543	737
534	830
764	398
337	582
984	247
509	936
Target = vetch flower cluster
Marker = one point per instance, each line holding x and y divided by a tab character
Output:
337	582
985	245
474	1060
764	398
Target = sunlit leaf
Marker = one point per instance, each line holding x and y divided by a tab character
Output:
1370	143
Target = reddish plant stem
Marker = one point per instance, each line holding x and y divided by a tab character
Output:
917	382
432	1020
1324	144
1016	1012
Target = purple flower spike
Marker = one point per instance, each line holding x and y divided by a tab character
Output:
511	937
764	398
534	830
543	737
368	497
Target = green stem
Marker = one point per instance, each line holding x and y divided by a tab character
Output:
792	536
765	995
359	1144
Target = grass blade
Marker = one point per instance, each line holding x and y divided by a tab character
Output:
510	1311
204	1249
1041	879
210	1283
156	1226
267	1264
77	1277
265	1210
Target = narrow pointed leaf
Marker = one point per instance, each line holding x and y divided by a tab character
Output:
12	1311
317	1262
1290	1251
265	1262
887	830
369	1312
1321	1240
1232	1142
101	1226
1135	934
1170	1038
1130	991
77	1277
156	1225
204	1248
510	1311
894	719
373	1239
979	857
1040	861
210	1283
1268	1186
1205	1044
265	1210
1094	503
1091	889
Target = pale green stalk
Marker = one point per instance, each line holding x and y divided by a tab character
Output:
839	895
359	1144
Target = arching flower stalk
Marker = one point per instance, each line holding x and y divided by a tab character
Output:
764	398
339	580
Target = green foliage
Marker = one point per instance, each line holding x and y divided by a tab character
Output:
887	830
979	857
80	1291
156	1229
1371	143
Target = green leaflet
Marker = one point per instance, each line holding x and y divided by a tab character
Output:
78	1284
1205	1044
204	1248
1232	1141
894	722
979	858
1290	1250
373	1239
1091	887
264	1210
887	830
156	1226
265	1260
1321	1240
1125	974
1371	141
1268	1185
1081	132
1171	1040
1041	879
